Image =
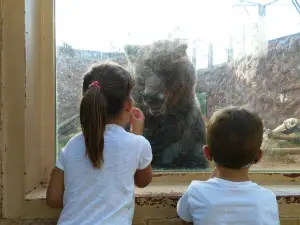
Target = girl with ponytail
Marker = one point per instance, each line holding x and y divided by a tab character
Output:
97	171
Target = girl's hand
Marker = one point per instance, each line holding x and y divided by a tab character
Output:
136	120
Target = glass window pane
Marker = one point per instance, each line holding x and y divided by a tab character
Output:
242	53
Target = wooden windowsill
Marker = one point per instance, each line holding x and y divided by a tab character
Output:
159	199
288	193
158	202
173	184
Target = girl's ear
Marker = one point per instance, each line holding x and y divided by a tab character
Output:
207	153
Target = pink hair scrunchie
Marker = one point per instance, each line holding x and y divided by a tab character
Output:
95	84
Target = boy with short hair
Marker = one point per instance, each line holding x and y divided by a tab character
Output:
234	137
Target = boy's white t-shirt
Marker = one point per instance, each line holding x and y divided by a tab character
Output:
221	202
102	196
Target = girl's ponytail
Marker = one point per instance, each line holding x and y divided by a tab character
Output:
102	102
93	118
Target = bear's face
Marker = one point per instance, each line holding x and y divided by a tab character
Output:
165	77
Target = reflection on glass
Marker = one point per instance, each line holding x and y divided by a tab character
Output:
188	60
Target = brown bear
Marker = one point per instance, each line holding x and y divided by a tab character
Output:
165	80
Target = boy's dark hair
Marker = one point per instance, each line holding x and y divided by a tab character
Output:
102	101
234	137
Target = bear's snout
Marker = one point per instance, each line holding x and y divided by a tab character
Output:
154	102
151	98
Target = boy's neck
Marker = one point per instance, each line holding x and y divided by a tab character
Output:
234	175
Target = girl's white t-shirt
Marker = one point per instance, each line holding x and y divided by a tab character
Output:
102	196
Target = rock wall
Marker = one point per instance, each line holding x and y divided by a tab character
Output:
71	64
268	84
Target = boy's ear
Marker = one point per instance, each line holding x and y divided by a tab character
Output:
259	156
207	153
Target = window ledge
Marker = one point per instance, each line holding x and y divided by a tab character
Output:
158	201
287	193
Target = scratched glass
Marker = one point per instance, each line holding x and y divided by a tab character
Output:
189	59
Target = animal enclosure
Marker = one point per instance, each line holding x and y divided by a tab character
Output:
184	75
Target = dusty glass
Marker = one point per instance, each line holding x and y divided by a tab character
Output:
189	58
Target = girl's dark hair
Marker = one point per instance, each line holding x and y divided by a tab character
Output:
105	88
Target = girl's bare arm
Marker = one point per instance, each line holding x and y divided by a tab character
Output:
55	191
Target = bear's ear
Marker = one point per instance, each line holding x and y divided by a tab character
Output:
181	49
132	52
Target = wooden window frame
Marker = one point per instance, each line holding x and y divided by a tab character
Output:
28	103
